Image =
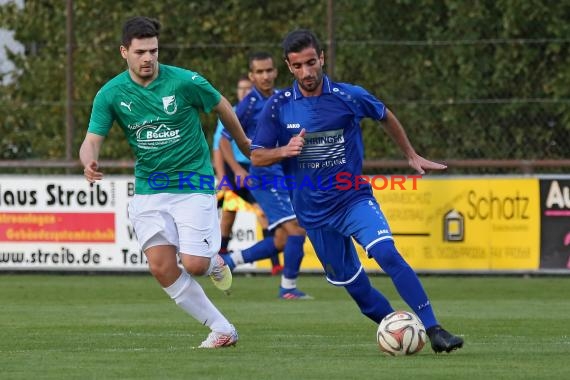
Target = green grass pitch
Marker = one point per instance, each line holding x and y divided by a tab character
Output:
125	327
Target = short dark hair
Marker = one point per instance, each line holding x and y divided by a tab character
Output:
298	40
258	56
244	77
139	27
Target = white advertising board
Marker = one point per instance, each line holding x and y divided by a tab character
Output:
63	223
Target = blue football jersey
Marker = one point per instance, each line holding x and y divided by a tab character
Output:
238	155
248	111
333	151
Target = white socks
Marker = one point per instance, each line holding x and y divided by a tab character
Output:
237	257
288	283
212	264
189	295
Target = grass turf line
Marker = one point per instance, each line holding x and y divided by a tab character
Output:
125	327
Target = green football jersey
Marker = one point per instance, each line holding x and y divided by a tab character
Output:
163	128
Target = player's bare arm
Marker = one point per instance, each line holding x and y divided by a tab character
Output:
266	157
232	124
89	154
218	162
228	156
398	134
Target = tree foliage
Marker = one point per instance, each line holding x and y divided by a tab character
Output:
477	79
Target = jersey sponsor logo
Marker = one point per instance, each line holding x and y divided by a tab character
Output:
155	137
126	105
293	125
169	104
138	125
323	149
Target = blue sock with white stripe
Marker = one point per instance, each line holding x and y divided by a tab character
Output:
370	301
405	280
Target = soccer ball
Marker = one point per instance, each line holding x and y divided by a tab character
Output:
401	333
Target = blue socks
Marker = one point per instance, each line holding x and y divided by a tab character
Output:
405	280
293	255
261	250
370	301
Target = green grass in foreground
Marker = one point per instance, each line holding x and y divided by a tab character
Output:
125	327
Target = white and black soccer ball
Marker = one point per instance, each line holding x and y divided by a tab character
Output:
401	333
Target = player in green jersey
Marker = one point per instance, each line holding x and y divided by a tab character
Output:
174	210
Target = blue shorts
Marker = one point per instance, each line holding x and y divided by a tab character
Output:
274	201
333	244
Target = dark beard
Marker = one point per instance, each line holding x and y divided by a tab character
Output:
315	84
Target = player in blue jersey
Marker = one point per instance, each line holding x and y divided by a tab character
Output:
243	88
225	171
274	200
314	129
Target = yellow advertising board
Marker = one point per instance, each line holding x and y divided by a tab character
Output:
460	223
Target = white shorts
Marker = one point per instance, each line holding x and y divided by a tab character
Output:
187	221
